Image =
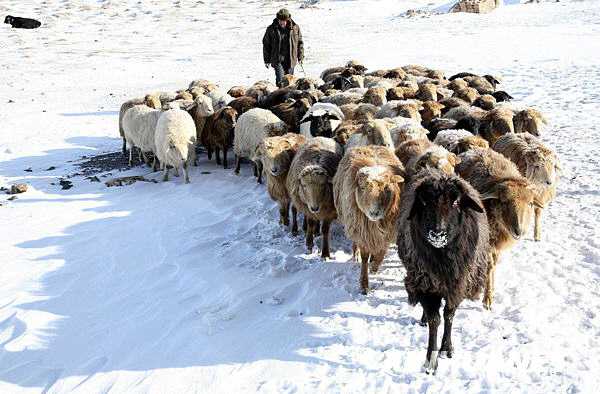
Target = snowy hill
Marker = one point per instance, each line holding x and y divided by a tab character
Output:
169	288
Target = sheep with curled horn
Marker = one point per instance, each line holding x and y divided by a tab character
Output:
443	243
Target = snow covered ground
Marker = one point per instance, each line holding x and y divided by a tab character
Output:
195	288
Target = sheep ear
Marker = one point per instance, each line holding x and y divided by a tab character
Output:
489	195
468	202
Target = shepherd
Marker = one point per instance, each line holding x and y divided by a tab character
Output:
283	48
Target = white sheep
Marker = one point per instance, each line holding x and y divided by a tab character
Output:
219	99
449	138
252	127
139	125
174	139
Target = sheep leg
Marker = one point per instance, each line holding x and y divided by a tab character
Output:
185	172
225	158
355	252
176	168
325	240
423	321
236	171
284	208
376	261
130	156
537	231
166	175
124	146
364	273
259	168
218	155
304	224
209	152
431	305
294	221
310	236
488	296
156	164
146	160
447	337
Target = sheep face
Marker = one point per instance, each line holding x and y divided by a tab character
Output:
315	187
511	202
431	110
322	126
228	118
437	211
204	106
541	170
377	134
377	189
177	153
152	101
277	157
468	143
529	121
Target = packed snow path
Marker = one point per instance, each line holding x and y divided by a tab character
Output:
195	288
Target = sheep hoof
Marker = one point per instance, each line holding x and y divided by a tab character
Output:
487	304
431	364
364	290
295	233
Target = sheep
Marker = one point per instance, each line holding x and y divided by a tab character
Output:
482	84
288	80
443	243
468	94
174	139
375	96
378	82
139	125
308	83
200	110
403	129
501	96
321	120
427	92
449	138
204	84
342	98
406	109
150	100
366	192
251	129
237	91
529	120
486	102
537	163
309	186
359	112
465	144
375	132
496	123
292	113
430	111
243	104
417	155
457	84
443	93
219	133
453	102
277	154
260	89
507	197
345	130
219	99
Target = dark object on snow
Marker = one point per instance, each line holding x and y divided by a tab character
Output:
128	180
22	23
443	242
66	185
18	188
501	95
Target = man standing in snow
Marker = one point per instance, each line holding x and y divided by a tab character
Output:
282	45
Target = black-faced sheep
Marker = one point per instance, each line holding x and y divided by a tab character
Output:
277	154
508	198
366	190
309	185
443	242
292	113
537	163
321	120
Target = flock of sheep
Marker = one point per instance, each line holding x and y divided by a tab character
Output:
445	167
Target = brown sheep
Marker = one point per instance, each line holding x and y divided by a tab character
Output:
243	104
260	89
537	163
481	84
486	102
309	186
374	132
496	123
218	133
453	102
457	84
529	121
411	149
292	113
507	197
375	96
430	111
417	155
467	94
467	143
366	190
237	91
345	130
277	154
427	92
395	93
